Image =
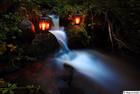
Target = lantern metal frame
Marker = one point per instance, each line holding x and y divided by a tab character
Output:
78	17
45	20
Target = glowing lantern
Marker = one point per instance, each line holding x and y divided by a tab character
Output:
77	19
45	24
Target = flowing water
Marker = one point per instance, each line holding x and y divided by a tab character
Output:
89	63
59	33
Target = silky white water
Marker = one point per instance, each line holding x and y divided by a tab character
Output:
86	62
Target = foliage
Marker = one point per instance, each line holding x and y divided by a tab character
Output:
2	48
32	89
123	15
9	26
78	36
11	89
10	38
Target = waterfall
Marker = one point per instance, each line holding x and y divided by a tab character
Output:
59	33
87	63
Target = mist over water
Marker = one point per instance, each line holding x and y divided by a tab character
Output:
93	67
86	62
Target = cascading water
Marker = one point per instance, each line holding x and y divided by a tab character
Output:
59	33
55	20
86	62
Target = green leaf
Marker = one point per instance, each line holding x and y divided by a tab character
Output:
5	91
13	86
30	86
9	85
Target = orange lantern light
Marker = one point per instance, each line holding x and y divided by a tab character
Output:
77	20
44	25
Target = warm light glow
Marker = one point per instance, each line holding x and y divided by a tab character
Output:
77	20
33	28
44	25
